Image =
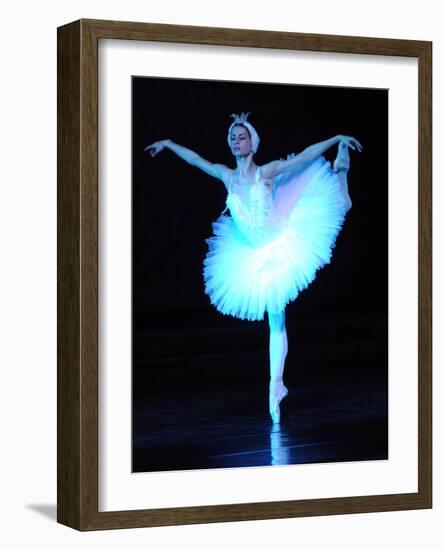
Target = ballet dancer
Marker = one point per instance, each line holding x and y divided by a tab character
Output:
285	218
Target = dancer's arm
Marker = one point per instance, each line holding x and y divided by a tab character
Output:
309	154
219	171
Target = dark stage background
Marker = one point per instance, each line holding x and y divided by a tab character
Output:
200	378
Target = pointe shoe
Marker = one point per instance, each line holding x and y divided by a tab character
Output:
343	161
277	392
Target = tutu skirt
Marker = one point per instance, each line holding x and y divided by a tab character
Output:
245	279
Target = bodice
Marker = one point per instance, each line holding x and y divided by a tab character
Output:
254	211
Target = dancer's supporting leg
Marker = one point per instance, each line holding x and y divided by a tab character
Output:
278	348
341	166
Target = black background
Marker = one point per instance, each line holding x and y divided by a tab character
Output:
174	203
199	377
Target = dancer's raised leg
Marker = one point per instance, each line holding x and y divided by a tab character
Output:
278	349
341	167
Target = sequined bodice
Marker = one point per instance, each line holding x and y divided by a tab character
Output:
254	212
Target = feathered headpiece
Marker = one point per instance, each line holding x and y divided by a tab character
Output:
243	119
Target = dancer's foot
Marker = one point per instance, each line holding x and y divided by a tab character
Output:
277	392
343	161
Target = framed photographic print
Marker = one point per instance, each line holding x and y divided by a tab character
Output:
244	274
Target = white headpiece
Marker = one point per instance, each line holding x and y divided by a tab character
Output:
242	119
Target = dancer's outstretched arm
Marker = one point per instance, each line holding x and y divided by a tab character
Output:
309	154
219	171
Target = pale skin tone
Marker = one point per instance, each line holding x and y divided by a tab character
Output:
241	148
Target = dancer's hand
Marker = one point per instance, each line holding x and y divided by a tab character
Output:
351	142
156	147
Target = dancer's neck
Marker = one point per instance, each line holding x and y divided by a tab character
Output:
246	166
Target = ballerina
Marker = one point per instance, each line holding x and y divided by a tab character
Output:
285	218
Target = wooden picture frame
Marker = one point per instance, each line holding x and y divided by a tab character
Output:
77	451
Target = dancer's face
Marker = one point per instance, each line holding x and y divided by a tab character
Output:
240	141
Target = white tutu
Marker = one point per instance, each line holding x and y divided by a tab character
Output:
271	248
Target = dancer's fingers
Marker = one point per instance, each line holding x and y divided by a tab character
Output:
359	145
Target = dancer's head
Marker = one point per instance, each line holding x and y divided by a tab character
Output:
242	136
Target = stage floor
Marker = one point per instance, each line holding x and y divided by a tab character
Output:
332	415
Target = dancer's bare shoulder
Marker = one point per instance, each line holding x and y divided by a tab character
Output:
219	171
269	170
226	175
